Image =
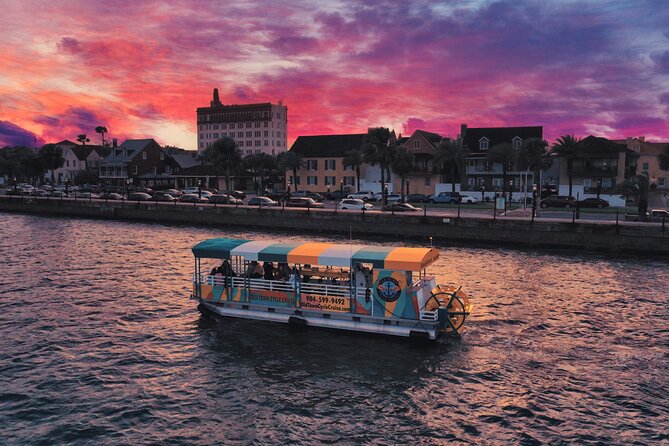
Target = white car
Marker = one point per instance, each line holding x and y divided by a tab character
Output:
468	199
362	195
194	190
392	198
354	203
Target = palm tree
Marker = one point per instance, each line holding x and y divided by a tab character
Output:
379	147
568	147
51	158
101	130
663	158
224	155
82	139
355	158
452	152
505	154
401	164
636	186
534	156
260	164
290	161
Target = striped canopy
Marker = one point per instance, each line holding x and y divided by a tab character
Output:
346	255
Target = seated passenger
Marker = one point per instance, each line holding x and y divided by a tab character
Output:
268	268
294	278
255	271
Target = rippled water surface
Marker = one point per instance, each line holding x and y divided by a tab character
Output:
100	345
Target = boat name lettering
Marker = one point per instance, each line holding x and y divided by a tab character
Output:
274	297
328	303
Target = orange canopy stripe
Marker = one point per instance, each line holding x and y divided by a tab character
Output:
308	253
410	259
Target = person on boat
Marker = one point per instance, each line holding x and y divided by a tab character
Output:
227	272
268	268
284	271
255	271
294	278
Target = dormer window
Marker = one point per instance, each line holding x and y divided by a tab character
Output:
483	143
416	144
516	142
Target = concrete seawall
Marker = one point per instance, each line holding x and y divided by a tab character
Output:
649	239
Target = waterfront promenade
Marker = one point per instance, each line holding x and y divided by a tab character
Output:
452	226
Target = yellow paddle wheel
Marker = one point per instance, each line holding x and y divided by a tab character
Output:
452	305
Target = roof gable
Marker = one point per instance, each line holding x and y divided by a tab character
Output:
497	135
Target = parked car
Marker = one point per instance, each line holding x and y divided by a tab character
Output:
315	196
172	192
468	199
262	202
139	196
39	193
658	215
146	190
277	195
299	194
237	194
193	198
392	198
418	198
593	203
445	197
303	202
362	195
335	195
59	194
401	207
224	199
111	196
558	201
89	195
355	203
17	190
164	197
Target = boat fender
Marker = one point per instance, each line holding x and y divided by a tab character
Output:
297	322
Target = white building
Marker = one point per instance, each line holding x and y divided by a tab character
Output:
77	159
257	128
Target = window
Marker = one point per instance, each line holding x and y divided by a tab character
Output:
240	125
312	180
348	167
143	155
248	152
587	182
607	183
471	182
516	142
266	123
265	143
67	163
256	124
162	156
224	126
265	133
312	164
216	135
278	115
644	166
428	181
249	125
349	181
155	170
134	169
256	133
483	144
240	134
258	151
202	145
248	143
330	181
416	144
497	182
249	134
224	134
257	142
201	136
661	182
330	164
215	126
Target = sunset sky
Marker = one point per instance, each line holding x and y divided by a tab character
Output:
141	68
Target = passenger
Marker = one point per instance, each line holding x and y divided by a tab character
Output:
294	277
359	277
213	272
255	271
284	271
268	268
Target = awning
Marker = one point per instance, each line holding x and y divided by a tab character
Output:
324	254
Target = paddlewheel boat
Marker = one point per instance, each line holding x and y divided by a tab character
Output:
373	289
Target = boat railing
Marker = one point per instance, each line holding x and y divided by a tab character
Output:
325	289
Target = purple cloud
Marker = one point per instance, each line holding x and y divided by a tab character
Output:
14	135
661	62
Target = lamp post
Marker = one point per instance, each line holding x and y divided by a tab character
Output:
14	179
534	201
482	192
341	189
67	186
199	190
510	190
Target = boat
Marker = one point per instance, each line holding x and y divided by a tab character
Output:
372	289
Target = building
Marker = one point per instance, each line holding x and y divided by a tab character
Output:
424	175
323	157
137	160
648	162
78	159
600	165
257	128
479	172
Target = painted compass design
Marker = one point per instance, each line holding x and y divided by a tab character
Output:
388	289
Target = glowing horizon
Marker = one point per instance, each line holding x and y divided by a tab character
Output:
142	68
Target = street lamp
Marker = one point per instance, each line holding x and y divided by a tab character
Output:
341	188
67	186
510	190
534	201
14	179
482	192
199	190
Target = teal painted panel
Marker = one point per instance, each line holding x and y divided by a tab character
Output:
216	248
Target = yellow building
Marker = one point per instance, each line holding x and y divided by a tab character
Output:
648	163
323	168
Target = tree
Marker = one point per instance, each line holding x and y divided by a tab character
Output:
663	158
452	152
637	187
534	156
101	130
82	139
261	164
290	161
568	147
51	158
505	154
401	164
224	156
379	147
355	158
17	162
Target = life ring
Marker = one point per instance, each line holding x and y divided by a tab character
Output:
454	301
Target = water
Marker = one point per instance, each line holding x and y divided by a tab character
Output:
100	345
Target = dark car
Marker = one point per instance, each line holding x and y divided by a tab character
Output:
559	201
262	202
401	207
111	196
192	198
237	194
277	195
146	190
224	199
303	202
593	203
139	196
172	192
418	198
314	196
335	195
164	197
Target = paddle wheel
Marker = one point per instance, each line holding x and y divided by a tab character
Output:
452	306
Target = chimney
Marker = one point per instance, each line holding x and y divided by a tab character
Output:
114	142
463	130
216	102
642	138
